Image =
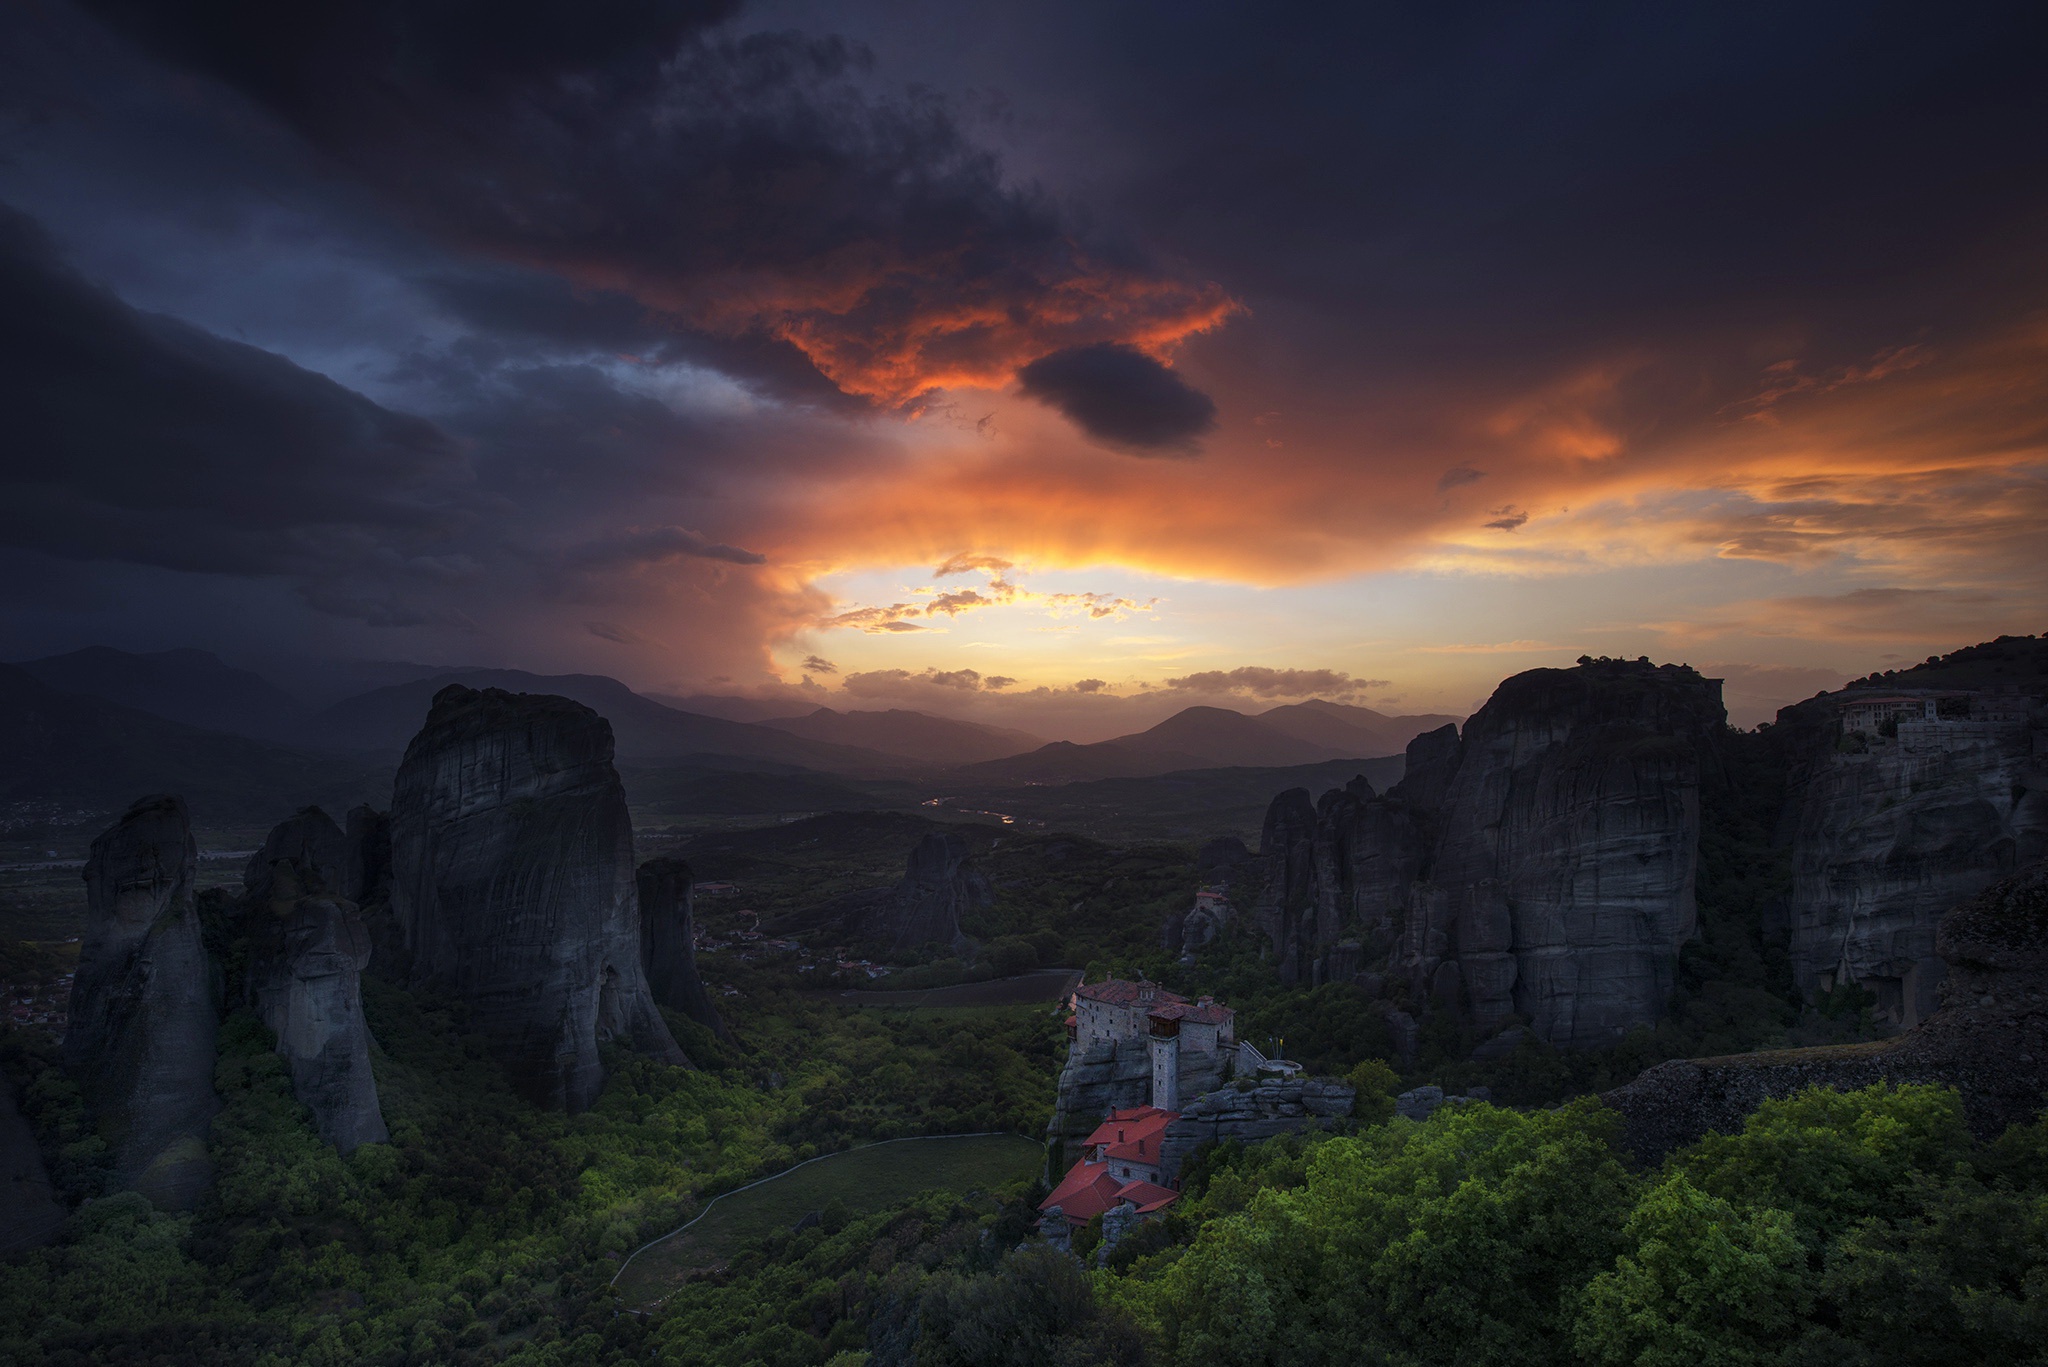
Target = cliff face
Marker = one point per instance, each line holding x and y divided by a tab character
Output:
1888	831
1541	867
1988	1039
940	884
145	1005
668	948
513	885
307	951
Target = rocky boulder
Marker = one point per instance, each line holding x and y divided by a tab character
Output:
1989	1039
1249	1111
513	886
668	943
307	951
145	1005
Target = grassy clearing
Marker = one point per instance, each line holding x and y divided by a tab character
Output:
862	1180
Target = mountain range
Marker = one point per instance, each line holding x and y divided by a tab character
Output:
1215	738
64	752
100	726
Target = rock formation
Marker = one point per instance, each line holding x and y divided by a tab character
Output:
1250	1111
1097	1080
307	951
939	885
1541	867
1888	831
1989	1039
366	865
366	881
513	886
668	946
145	1005
30	1213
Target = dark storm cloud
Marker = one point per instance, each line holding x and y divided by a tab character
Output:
513	307
136	437
1121	396
654	545
747	186
1474	178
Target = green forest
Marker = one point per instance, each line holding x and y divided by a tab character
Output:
1833	1229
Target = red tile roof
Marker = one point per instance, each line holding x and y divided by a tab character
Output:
1087	1190
1123	992
1132	1133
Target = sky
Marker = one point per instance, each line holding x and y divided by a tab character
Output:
1052	364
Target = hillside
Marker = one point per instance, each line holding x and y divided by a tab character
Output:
383	721
1354	730
912	735
1190	804
1204	738
68	754
188	686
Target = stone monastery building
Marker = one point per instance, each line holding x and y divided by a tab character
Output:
1117	1014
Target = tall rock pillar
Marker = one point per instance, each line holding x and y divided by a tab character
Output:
513	886
307	951
145	1011
668	943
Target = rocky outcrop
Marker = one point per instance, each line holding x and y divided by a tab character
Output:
145	1011
513	886
1108	1077
1250	1111
1541	868
30	1213
1989	1039
366	864
1887	831
939	886
1287	901
307	951
668	943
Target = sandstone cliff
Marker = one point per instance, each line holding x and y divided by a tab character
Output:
1887	831
1541	866
513	886
307	951
668	948
145	1005
1989	1039
940	884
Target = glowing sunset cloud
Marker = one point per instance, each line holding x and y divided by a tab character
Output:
1048	360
